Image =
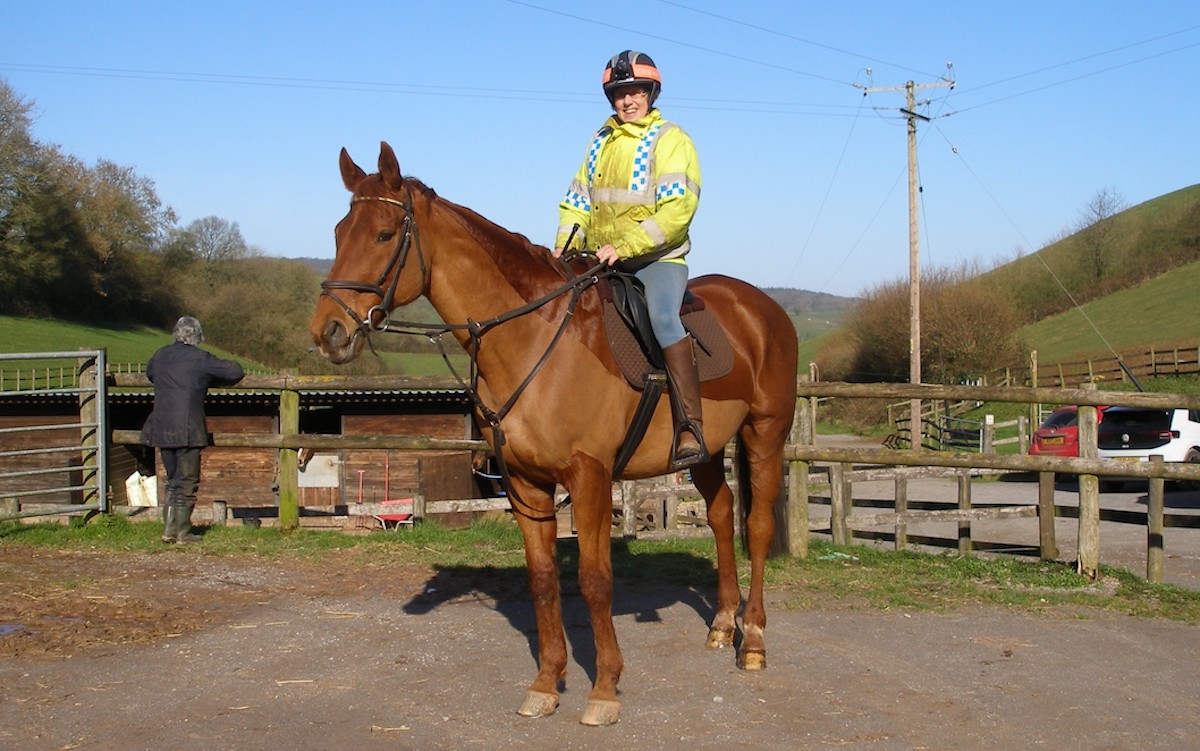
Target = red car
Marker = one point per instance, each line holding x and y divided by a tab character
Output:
1059	433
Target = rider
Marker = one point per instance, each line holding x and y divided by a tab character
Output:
633	200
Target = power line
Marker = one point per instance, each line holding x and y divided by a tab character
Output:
689	45
1091	57
1079	77
778	33
810	109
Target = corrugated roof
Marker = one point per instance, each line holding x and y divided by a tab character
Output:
233	396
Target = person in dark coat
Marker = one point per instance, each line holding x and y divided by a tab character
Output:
182	373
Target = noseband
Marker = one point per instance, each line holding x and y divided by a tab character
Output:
378	316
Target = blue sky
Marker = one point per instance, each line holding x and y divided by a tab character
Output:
239	110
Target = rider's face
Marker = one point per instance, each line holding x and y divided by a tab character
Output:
631	103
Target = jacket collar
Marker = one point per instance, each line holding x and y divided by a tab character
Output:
637	127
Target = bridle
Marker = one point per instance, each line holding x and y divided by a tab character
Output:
379	319
393	268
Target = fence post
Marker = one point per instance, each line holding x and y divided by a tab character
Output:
629	508
989	435
796	510
289	478
840	504
965	546
92	410
791	535
1154	527
901	541
1047	544
1089	494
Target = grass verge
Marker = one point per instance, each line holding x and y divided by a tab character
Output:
832	576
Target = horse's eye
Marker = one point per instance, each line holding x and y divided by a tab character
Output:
385	236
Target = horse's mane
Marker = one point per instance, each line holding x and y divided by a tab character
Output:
512	251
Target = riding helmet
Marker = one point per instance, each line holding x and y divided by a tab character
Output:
631	68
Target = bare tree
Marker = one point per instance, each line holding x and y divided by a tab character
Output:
218	240
1097	231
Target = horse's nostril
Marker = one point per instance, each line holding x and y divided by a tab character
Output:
335	334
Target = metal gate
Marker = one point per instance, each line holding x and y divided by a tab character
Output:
55	463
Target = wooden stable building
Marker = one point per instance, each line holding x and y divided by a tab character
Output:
248	478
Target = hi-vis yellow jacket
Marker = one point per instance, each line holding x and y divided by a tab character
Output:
637	190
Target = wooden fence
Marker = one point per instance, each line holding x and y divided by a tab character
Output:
1143	363
796	524
793	514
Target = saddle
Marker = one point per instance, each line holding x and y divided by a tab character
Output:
640	357
637	352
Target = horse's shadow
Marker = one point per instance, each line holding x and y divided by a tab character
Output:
643	584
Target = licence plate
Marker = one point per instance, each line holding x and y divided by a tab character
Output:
1053	441
1129	458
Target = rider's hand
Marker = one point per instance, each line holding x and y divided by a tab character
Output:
557	252
607	255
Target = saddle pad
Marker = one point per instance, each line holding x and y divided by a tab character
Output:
713	353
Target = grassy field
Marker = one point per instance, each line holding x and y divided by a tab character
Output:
133	345
123	344
1156	314
852	575
1159	313
812	325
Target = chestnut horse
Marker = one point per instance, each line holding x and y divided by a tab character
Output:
549	373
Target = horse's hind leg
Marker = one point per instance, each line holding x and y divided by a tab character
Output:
762	443
534	510
709	479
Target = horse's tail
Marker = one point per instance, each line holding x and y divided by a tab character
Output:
745	498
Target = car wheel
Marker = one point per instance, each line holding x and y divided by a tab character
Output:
1193	457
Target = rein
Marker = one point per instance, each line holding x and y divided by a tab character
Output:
378	319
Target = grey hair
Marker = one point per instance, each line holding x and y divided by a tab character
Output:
188	331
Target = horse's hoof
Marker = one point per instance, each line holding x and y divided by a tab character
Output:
752	660
601	712
719	638
538	704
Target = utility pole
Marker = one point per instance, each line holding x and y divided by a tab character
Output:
916	429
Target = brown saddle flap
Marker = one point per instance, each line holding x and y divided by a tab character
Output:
713	353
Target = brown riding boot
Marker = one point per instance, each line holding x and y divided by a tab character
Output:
688	446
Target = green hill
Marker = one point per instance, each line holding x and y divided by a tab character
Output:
1161	312
1129	248
124	344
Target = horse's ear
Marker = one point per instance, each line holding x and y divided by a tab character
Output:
352	174
389	167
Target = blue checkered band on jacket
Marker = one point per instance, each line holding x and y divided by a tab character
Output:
676	188
594	152
578	200
642	160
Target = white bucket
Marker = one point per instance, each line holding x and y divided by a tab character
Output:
142	490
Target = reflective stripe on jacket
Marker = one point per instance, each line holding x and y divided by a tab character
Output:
637	190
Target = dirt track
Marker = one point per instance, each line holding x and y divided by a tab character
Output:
178	650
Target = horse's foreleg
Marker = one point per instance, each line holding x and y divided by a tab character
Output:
709	479
590	485
534	511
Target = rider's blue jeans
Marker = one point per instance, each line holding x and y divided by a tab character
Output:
665	282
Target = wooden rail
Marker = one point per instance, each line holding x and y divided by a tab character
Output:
794	524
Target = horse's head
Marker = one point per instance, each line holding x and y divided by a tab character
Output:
379	263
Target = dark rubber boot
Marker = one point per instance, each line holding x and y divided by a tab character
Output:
688	448
183	528
169	525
